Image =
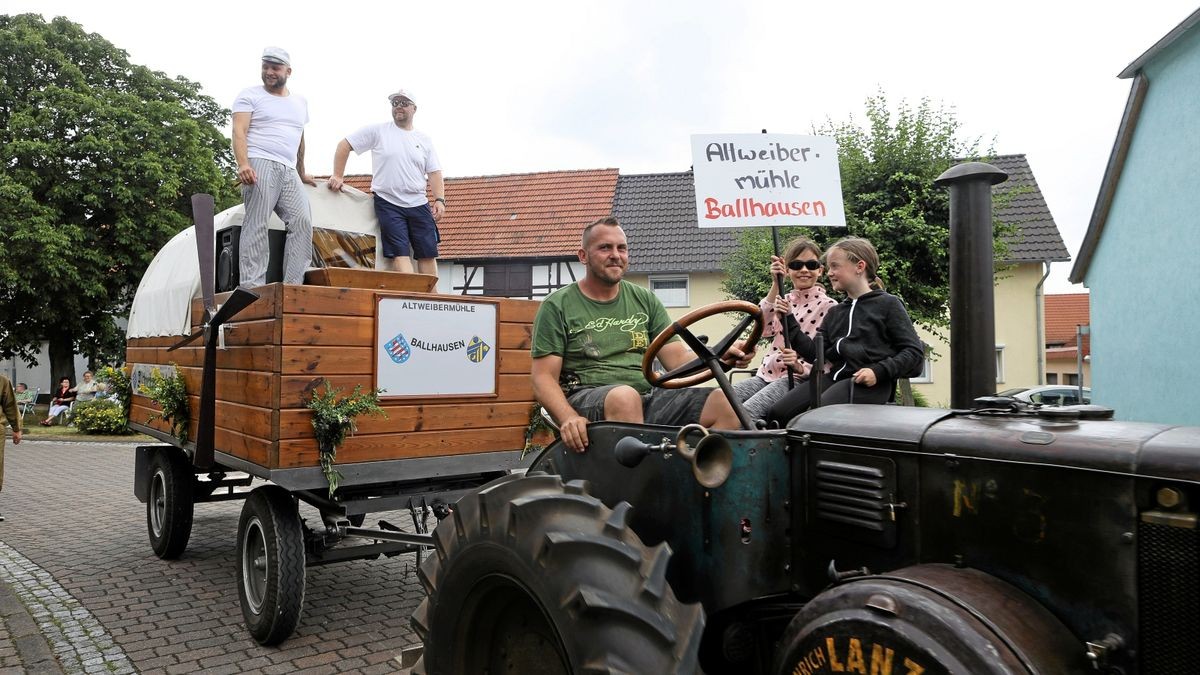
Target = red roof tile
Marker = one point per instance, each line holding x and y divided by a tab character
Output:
1063	313
519	215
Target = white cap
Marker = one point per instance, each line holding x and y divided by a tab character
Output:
277	55
402	93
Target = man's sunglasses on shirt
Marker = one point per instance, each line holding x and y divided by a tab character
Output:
802	264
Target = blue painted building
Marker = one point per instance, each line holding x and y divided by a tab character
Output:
1141	254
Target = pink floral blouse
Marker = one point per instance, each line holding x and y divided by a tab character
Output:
809	308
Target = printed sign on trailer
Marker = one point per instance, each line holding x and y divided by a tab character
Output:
435	348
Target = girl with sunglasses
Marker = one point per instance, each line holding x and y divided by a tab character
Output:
807	304
869	337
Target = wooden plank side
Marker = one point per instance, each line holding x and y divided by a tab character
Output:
264	357
360	302
328	329
325	361
357	331
266	307
515	361
243	446
141	414
246	419
327	300
248	387
515	336
256	332
370	448
246	446
295	390
297	423
518	311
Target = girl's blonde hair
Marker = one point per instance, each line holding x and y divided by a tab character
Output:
857	250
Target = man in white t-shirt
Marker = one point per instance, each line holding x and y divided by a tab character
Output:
268	144
401	159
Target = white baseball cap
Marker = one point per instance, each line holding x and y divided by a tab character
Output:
402	93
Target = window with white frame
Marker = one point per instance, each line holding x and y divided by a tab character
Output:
672	291
926	375
999	364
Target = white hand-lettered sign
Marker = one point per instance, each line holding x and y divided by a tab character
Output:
757	180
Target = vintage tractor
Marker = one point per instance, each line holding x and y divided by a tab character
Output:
996	537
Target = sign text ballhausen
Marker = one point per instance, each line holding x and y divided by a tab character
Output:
435	348
755	180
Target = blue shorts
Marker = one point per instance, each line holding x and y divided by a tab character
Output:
407	230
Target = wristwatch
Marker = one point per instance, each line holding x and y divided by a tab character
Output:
441	199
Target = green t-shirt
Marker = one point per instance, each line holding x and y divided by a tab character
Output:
600	342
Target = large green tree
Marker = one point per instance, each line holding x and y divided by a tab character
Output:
888	167
98	160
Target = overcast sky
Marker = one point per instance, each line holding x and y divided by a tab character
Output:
509	87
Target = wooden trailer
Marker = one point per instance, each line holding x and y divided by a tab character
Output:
294	338
457	411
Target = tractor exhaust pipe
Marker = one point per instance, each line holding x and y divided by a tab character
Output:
972	273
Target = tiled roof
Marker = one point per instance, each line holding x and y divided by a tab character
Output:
519	215
658	213
1037	238
541	214
1062	354
1063	313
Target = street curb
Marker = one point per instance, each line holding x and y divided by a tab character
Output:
32	648
62	624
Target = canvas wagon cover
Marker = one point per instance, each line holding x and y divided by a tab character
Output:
162	305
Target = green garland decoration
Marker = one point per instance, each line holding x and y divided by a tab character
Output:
333	420
170	393
536	423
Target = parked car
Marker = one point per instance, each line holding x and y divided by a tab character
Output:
1050	394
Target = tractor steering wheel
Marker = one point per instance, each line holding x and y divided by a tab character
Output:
705	366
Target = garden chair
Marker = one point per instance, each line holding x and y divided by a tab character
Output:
25	407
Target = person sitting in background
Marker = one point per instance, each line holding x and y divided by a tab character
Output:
23	394
89	388
60	401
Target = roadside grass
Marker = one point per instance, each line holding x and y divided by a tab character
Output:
36	432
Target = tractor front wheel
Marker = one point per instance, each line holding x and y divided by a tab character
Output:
538	576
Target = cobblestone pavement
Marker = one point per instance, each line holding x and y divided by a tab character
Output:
81	591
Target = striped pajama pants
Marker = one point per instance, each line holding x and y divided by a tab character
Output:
278	189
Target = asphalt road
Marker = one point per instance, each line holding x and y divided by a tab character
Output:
81	590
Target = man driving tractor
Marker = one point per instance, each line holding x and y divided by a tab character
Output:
589	339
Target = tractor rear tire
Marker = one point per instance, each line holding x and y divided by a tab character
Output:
538	576
270	555
170	504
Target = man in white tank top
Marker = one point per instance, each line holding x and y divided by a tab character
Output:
268	144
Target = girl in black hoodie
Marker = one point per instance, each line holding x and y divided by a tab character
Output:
869	337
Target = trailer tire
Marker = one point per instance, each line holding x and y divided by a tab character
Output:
270	555
170	503
538	576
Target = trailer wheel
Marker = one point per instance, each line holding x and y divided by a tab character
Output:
538	576
170	503
270	553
